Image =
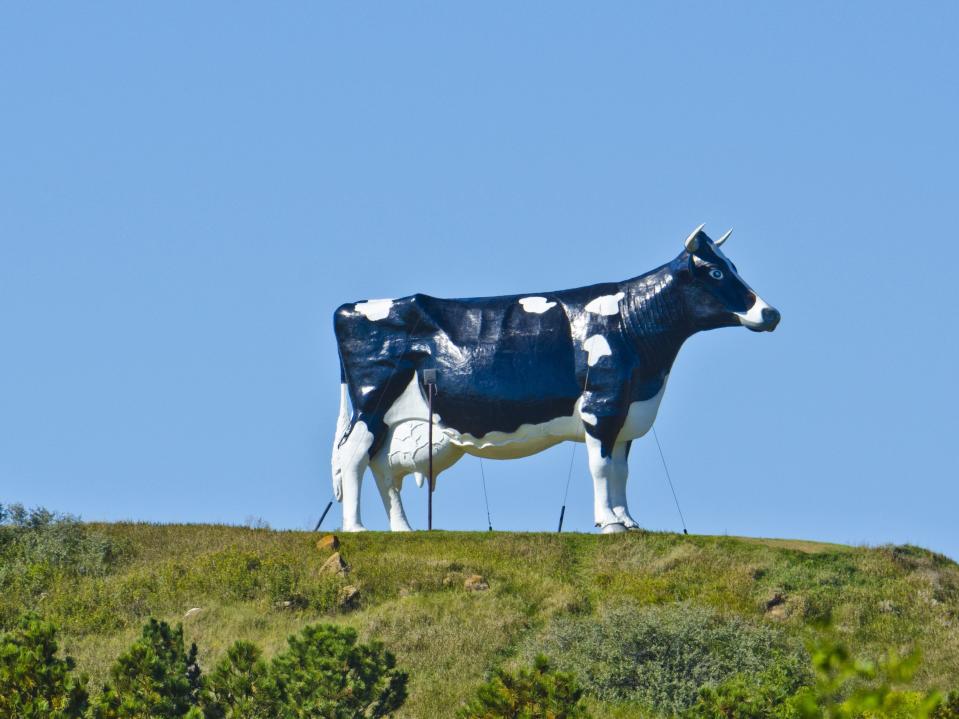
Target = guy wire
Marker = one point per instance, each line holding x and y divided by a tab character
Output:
670	481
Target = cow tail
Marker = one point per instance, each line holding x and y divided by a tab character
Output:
342	428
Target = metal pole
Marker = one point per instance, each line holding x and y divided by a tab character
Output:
429	516
323	516
562	512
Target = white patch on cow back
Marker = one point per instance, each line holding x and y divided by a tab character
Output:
606	304
375	309
537	305
596	347
641	415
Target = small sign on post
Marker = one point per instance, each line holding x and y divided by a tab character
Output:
429	379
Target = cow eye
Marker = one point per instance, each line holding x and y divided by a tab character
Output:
716	274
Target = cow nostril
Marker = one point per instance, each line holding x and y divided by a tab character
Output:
771	316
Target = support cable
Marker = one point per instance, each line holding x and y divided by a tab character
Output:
670	481
485	496
572	456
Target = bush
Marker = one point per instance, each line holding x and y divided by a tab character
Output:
154	679
845	688
325	673
239	687
34	682
741	697
41	537
948	708
849	688
39	547
660	656
539	693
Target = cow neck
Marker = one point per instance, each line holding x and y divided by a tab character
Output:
655	317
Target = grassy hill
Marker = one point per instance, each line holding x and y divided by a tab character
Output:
588	601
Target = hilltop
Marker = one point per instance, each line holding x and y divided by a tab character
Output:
583	599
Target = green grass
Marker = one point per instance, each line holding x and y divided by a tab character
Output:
412	595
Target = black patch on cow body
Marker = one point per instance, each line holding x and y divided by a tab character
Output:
500	366
491	357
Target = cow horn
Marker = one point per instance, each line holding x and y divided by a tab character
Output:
725	237
692	242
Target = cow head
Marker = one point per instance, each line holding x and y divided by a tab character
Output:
716	296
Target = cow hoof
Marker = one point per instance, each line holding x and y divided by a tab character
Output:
402	528
355	528
613	528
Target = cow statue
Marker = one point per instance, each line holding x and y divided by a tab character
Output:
520	373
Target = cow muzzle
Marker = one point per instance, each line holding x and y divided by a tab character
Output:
760	317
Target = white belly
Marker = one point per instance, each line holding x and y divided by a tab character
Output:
406	447
640	418
527	439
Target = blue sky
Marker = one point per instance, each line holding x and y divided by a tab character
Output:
188	191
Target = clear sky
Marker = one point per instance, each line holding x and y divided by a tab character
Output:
188	190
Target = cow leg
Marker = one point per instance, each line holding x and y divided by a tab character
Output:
603	471
389	488
618	485
350	460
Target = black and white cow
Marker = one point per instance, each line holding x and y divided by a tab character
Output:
520	373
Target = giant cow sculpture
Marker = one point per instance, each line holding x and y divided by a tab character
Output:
520	373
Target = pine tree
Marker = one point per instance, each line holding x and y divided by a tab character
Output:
537	693
239	687
325	673
154	679
34	682
949	708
